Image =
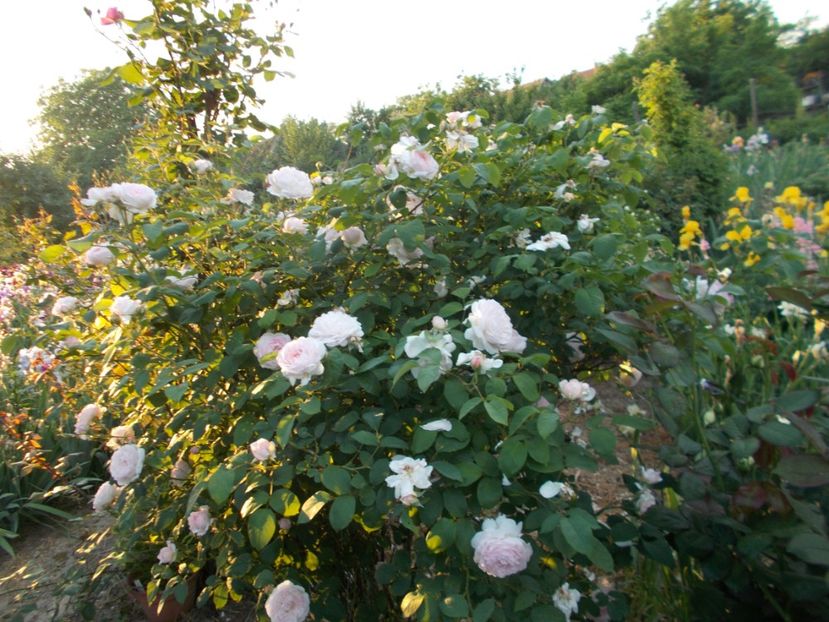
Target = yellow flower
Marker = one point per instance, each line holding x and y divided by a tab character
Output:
786	219
686	212
733	236
691	227
792	196
742	195
745	232
685	241
752	259
733	214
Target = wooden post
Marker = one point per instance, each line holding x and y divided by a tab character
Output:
755	115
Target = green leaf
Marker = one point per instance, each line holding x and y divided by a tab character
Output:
411	603
811	548
590	301
489	172
468	407
285	502
454	606
604	442
441	536
780	434
804	470
261	528
497	409
511	456
364	437
312	506
527	385
576	535
342	511
484	610
467	176
175	392
52	253
605	246
221	484
336	479
448	470
455	393
489	492
795	401
547	422
130	73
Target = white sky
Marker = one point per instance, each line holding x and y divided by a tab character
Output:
346	50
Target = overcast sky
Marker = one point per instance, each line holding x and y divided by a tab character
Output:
346	50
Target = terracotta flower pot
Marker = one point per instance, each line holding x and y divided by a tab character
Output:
168	609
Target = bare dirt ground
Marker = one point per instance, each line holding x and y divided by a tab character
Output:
42	582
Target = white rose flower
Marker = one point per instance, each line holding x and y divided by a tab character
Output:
414	204
550	490
409	156
167	554
180	472
132	199
438	323
98	195
120	435
98	256
490	328
288	297
645	501
85	417
787	309
461	141
585	224
550	240
499	549
105	496
201	166
409	473
576	390
126	464
124	307
199	521
337	329
478	361
398	250
417	344
522	239
64	305
597	162
301	359
353	237
595	109
438	425
237	195
268	346
651	476
440	288
566	599
293	224
289	183
288	603
263	449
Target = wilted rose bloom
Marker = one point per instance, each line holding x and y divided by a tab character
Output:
288	297
414	204
126	464
288	603
490	328
550	490
353	237
478	361
550	240
337	329
263	449
289	183
522	238
104	496
167	554
629	375
186	282
180	472
113	16
440	288
409	474
64	305
398	250
236	195
120	435
124	307
566	599
201	166
301	359
499	549
597	162
576	390
98	256
85	417
293	224
268	346
438	425
645	501
199	521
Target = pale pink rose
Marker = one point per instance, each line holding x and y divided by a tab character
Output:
64	305
104	496
180	471
85	417
337	329
353	237
289	183
167	554
199	521
113	16
293	224
263	449
490	328
404	256
499	549
120	435
576	390
301	359
124	307
288	603
126	464
478	361
268	346
419	164
98	256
